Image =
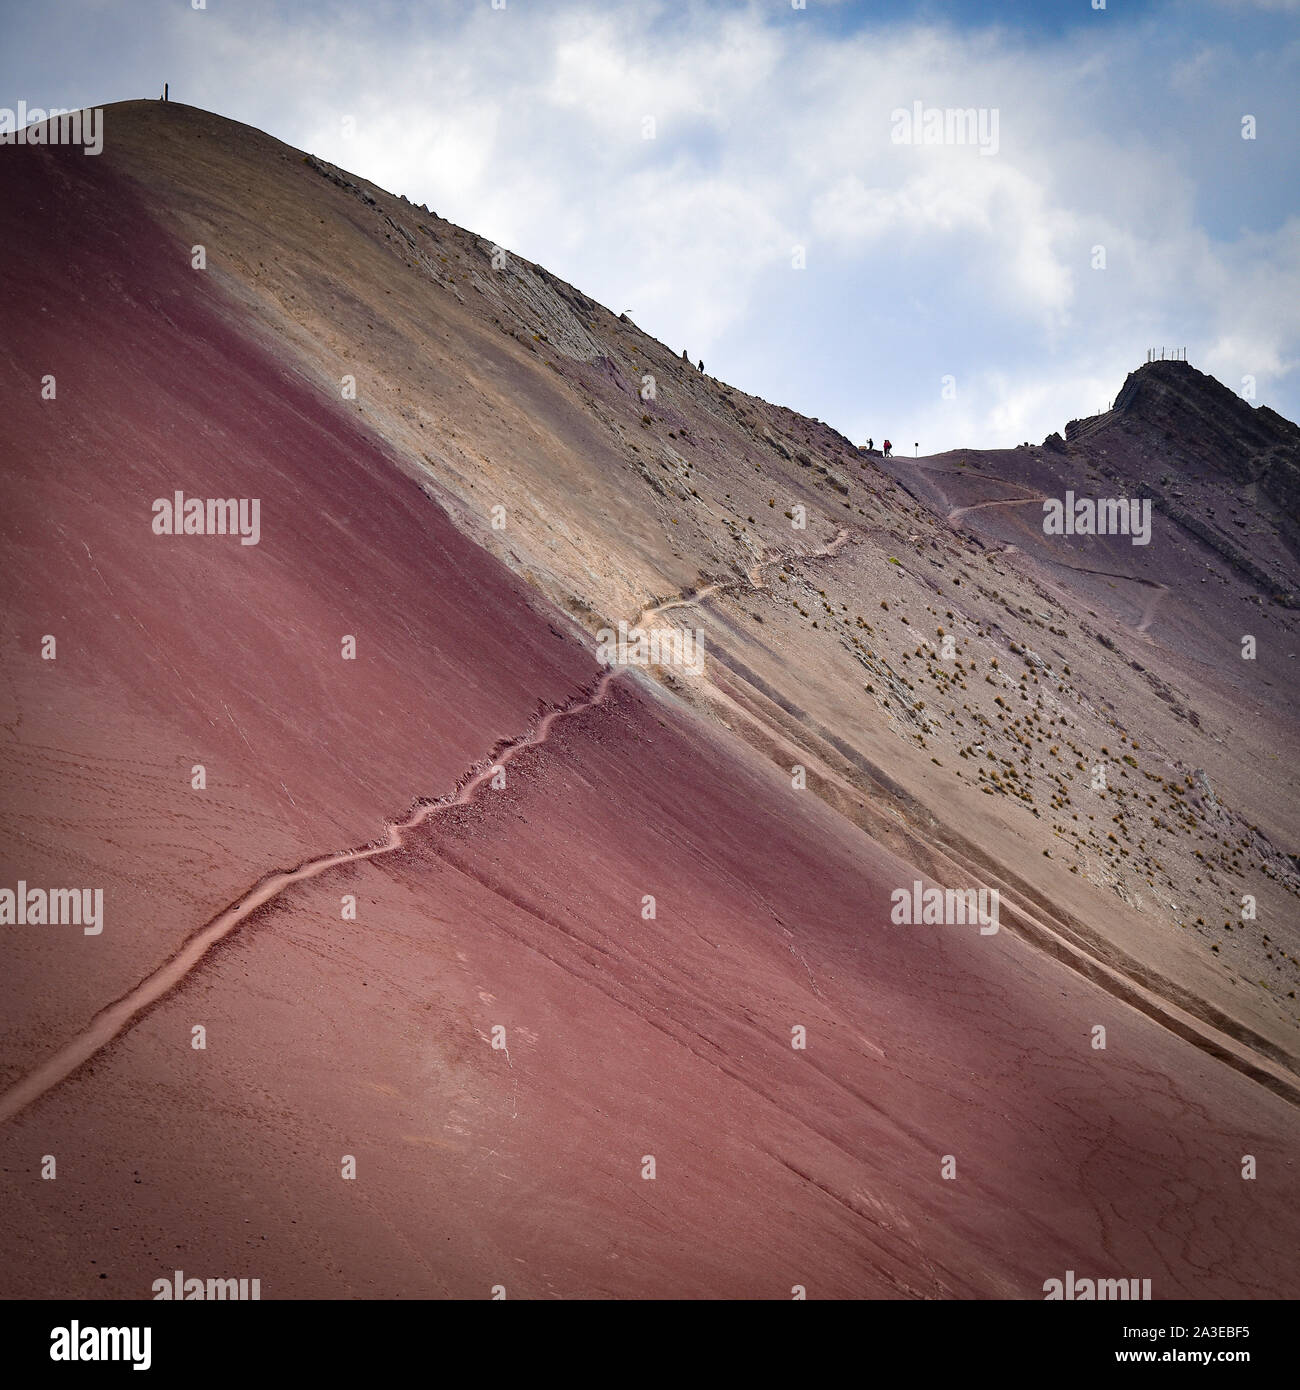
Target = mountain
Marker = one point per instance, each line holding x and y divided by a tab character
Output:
474	927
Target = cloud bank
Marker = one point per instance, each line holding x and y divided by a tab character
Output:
727	174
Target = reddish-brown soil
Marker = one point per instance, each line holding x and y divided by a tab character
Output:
520	907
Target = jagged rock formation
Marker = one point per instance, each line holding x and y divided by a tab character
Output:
1221	468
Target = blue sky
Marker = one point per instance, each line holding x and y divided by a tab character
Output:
945	295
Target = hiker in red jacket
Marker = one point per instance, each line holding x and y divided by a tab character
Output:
888	447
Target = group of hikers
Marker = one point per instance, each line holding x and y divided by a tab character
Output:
869	444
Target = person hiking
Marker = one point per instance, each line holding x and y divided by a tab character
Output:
869	445
888	447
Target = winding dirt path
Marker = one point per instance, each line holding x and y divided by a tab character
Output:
995	502
1152	603
843	537
111	1022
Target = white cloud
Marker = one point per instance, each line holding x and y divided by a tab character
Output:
526	126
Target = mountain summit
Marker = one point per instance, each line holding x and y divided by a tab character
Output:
1225	470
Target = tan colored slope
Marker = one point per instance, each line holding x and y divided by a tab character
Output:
489	381
499	386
